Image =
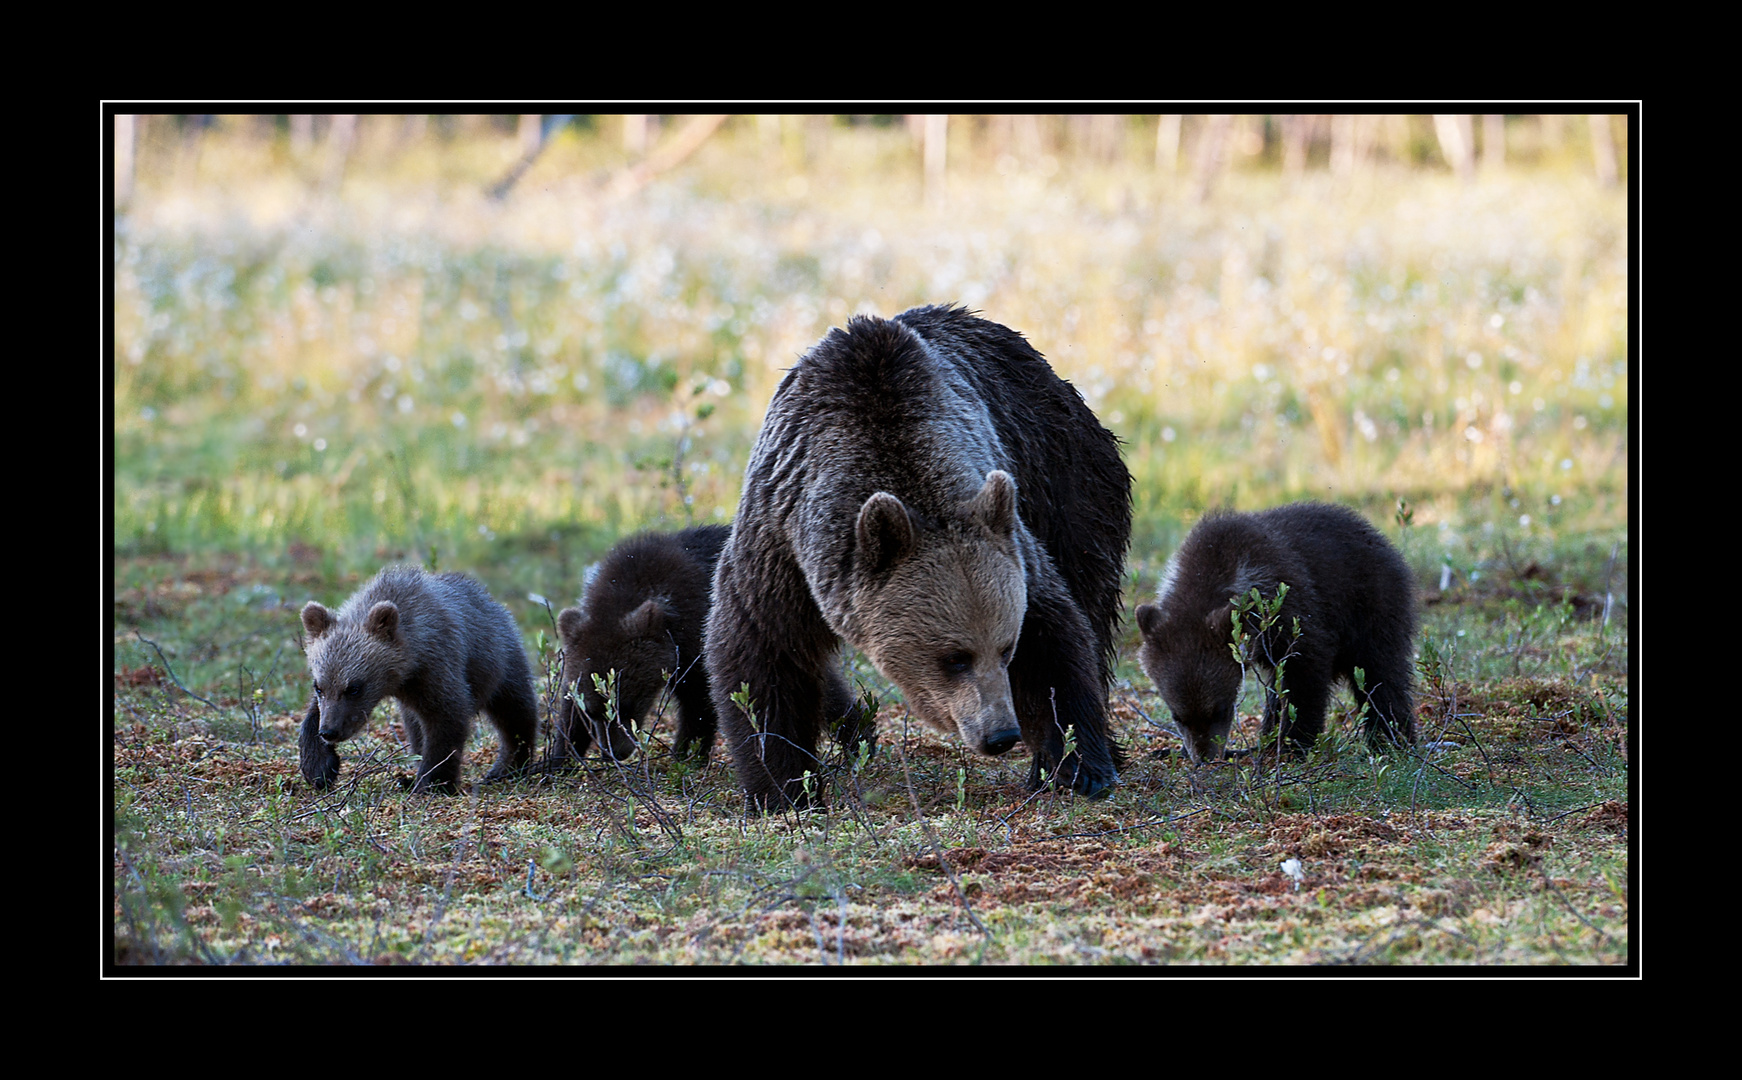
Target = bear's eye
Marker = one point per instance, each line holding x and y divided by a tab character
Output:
353	690
957	662
317	689
1009	651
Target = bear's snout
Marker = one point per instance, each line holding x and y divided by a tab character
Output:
1000	741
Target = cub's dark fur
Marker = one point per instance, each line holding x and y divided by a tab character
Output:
1351	591
441	646
928	490
643	617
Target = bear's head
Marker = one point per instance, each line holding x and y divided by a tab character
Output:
938	608
1188	658
355	663
633	656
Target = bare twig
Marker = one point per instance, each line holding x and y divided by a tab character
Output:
172	673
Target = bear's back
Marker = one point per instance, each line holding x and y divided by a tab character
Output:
1359	576
677	566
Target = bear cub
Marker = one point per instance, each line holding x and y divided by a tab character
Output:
642	617
1351	591
440	645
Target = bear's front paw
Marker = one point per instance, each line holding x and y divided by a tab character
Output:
428	784
322	771
505	772
320	763
1074	773
693	749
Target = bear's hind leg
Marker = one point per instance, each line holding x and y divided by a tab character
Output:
1390	705
1310	695
514	714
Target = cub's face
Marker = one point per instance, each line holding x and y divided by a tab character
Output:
1188	660
638	649
353	666
939	611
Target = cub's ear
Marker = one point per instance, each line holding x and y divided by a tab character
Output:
1149	619
383	620
1221	622
995	505
568	624
316	619
648	620
885	532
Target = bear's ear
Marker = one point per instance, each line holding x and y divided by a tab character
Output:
995	505
885	531
383	620
1149	619
568	624
316	619
1221	622
646	620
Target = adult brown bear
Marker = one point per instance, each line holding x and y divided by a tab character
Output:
927	489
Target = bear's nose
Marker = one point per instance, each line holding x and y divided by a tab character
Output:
1000	741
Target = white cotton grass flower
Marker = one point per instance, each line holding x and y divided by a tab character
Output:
1291	867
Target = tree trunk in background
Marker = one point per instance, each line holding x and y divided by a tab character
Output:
341	134
635	135
1457	143
302	134
936	135
684	142
1030	146
124	142
1493	142
1212	153
1296	132
1342	144
531	132
531	145
1104	132
1167	145
1554	131
1603	149
768	133
1398	142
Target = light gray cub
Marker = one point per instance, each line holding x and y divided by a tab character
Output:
441	646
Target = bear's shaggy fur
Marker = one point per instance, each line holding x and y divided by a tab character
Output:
1350	589
642	617
441	646
926	488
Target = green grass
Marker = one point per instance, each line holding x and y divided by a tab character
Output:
310	384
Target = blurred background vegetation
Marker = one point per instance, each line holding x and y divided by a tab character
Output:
504	341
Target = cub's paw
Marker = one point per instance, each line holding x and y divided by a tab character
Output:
321	772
